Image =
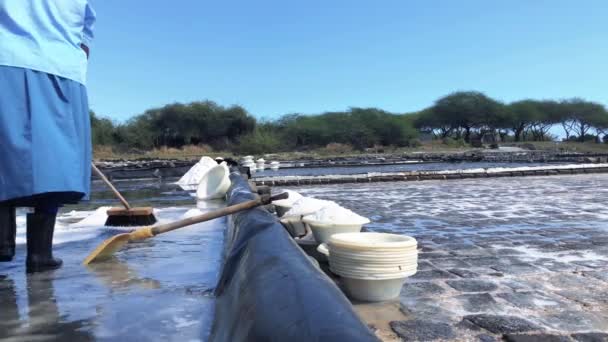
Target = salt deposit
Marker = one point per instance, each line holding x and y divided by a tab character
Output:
525	168
293	197
191	213
336	214
308	205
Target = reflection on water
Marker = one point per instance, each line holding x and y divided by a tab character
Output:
159	289
43	320
117	275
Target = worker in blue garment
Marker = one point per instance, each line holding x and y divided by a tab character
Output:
45	130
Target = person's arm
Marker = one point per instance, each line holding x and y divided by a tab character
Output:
87	32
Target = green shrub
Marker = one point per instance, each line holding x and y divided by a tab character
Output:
451	142
259	142
414	143
338	148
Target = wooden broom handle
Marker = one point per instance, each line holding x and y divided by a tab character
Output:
108	183
263	200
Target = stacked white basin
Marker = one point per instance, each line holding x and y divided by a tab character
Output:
247	161
373	266
274	165
260	164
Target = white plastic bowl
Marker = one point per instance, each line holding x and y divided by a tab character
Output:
378	242
373	276
196	172
373	266
372	290
323	231
214	184
374	272
374	257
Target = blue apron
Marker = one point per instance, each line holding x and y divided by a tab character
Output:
45	139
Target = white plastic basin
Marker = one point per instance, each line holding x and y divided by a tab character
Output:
373	276
283	206
371	271
323	231
214	184
373	266
372	290
375	257
378	242
196	173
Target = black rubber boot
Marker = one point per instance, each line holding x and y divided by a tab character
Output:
8	229
40	229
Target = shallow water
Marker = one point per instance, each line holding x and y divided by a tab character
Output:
473	204
159	289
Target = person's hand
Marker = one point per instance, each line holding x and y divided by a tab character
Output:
85	49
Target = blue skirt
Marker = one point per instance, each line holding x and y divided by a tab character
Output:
45	139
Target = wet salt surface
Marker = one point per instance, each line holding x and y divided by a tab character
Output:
495	251
160	289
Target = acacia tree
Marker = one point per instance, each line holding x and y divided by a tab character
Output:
520	116
601	126
579	117
548	114
428	121
468	110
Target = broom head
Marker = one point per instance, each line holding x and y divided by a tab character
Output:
121	217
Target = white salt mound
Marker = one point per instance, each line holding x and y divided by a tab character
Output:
293	197
308	205
191	213
336	214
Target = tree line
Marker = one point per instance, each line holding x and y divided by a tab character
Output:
463	116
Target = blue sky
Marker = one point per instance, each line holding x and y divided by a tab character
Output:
276	57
